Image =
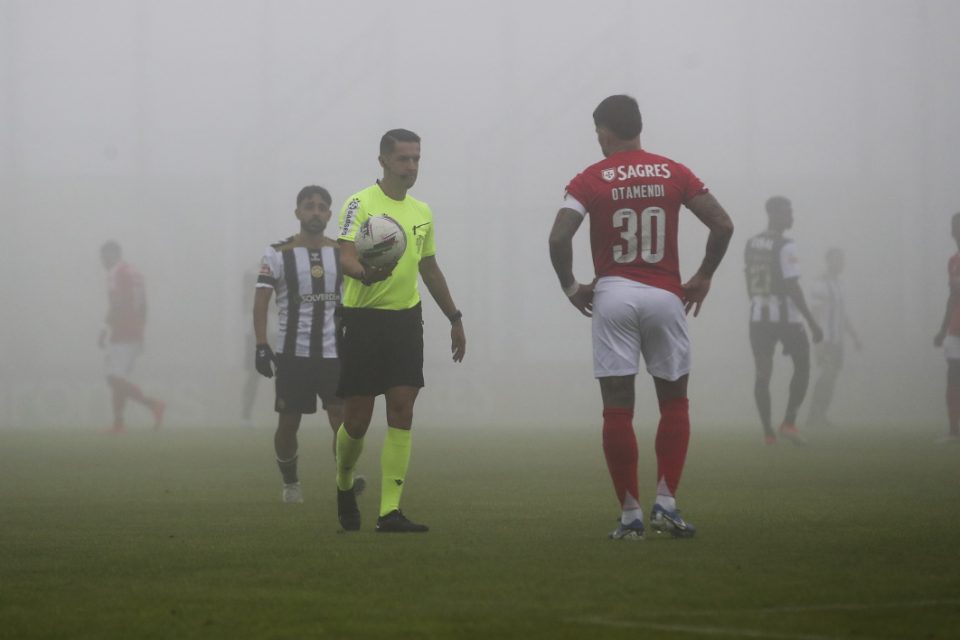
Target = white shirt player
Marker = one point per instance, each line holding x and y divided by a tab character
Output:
308	286
826	297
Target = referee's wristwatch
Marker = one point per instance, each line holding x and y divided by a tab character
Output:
456	315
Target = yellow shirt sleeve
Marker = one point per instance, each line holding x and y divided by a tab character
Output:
352	215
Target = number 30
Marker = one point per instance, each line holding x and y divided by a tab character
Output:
651	249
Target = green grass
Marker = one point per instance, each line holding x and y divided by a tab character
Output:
180	534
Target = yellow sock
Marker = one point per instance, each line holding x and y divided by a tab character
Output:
348	451
394	460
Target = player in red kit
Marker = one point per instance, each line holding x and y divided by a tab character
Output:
122	337
637	301
949	337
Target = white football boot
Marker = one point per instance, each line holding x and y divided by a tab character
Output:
292	493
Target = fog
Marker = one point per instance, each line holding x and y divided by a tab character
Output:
184	130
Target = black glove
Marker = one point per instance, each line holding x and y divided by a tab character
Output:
265	360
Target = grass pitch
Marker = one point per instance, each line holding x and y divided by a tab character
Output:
181	534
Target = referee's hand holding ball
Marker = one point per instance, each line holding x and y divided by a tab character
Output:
373	274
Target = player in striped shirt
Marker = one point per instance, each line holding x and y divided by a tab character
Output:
122	337
304	271
949	337
777	309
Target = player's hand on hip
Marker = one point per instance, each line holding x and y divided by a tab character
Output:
265	360
458	341
583	299
695	290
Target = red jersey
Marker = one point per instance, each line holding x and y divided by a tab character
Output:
127	311
953	272
633	199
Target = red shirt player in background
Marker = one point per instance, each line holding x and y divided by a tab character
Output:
949	337
122	337
637	301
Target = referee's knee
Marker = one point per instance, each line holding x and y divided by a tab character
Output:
400	417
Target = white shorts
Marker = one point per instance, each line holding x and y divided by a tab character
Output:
951	347
119	358
630	319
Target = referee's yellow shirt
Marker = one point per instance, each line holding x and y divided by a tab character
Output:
400	290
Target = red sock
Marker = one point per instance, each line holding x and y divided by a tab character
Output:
953	408
673	434
620	450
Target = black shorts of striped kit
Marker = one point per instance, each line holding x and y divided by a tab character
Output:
300	381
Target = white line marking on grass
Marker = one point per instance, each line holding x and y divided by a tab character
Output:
858	607
754	633
914	604
733	632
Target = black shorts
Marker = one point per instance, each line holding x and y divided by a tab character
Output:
300	381
764	337
380	349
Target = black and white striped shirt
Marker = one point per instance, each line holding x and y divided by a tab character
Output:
308	284
770	260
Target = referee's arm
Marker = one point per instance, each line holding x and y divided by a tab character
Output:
351	266
436	284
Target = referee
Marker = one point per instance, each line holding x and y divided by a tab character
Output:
382	330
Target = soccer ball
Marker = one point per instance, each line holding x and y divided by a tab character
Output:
380	241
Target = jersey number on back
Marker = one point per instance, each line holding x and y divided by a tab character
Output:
758	280
650	239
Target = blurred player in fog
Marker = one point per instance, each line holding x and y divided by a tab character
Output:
949	337
304	270
637	301
829	308
777	309
122	337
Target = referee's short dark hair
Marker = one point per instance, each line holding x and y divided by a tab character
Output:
392	137
313	190
620	115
